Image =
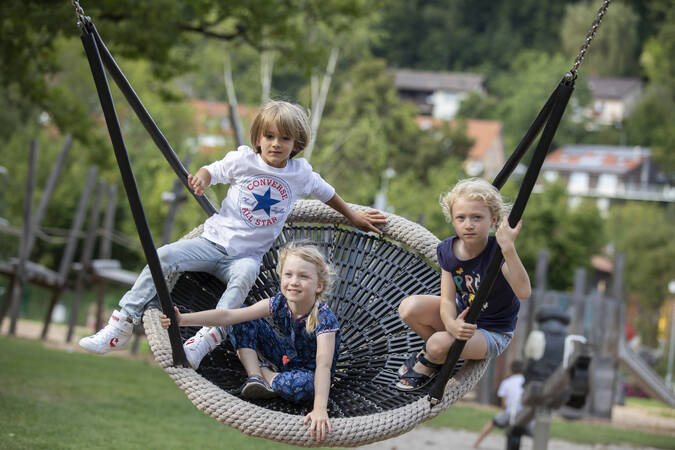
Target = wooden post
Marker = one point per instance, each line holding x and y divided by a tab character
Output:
105	250
177	200
529	307
49	189
105	246
71	244
87	254
578	303
15	295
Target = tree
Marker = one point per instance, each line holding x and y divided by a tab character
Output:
614	50
522	92
650	124
465	35
644	232
161	31
571	235
367	129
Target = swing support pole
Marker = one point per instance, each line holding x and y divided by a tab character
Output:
122	156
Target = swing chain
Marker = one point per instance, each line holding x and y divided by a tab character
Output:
572	74
82	19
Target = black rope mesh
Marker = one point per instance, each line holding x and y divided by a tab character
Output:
372	277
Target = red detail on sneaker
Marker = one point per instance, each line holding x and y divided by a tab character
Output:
213	335
285	359
190	341
113	341
115	317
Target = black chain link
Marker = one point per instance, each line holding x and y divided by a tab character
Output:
572	74
82	19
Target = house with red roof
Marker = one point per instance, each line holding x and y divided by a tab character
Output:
607	172
214	127
487	155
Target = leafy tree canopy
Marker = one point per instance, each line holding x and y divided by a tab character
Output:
644	232
160	31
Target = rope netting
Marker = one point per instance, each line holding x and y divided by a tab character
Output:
373	275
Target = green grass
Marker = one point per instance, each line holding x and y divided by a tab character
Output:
52	399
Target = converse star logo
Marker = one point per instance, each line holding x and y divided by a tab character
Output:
264	200
113	342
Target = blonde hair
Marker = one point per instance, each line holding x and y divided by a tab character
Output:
312	255
289	119
475	189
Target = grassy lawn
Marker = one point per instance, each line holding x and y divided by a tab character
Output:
51	399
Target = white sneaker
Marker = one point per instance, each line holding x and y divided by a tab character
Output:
114	336
201	344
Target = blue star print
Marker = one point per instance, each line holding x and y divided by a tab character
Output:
265	201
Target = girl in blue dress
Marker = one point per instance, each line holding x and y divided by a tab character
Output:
299	345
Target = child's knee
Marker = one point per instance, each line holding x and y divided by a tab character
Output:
438	344
407	308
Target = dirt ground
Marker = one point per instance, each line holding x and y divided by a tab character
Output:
422	437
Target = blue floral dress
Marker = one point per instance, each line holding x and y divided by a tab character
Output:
284	342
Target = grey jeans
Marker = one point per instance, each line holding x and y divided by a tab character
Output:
194	255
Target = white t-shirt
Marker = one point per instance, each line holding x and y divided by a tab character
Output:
511	390
259	200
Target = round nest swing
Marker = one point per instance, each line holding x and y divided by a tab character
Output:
373	275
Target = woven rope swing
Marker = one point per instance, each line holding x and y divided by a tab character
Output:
373	276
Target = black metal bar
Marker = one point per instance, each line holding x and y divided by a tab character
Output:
525	142
145	118
129	181
562	96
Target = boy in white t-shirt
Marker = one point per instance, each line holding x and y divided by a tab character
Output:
264	184
511	392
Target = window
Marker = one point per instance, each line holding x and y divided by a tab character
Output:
607	183
578	183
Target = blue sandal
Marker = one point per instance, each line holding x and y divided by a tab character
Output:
414	379
256	387
411	361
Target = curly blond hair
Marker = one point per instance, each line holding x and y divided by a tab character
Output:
475	189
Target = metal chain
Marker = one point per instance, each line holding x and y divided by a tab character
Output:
82	19
572	74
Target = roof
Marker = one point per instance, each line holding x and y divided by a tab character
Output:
597	158
422	80
613	88
205	109
483	132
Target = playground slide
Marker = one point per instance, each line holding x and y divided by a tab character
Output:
649	381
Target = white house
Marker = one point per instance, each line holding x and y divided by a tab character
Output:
613	99
606	172
436	94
